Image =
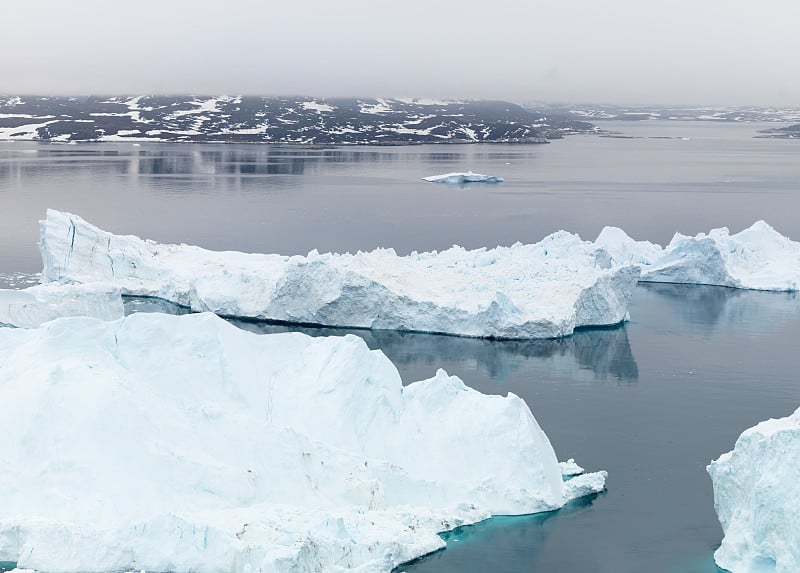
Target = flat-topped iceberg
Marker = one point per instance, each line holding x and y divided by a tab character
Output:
30	307
459	178
757	258
757	498
545	290
170	443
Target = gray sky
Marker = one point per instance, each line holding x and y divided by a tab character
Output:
614	51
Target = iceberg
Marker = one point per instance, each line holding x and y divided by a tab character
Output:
30	307
182	443
757	499
757	258
544	290
460	178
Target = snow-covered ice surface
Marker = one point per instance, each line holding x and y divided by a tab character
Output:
544	290
170	443
468	177
30	307
757	258
757	498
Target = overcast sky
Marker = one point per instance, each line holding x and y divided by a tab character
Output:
613	51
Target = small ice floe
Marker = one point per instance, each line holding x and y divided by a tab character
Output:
468	177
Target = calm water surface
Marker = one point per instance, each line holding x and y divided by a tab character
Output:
652	402
277	199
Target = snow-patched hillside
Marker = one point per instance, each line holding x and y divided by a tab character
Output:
300	120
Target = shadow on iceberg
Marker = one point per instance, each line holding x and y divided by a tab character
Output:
509	536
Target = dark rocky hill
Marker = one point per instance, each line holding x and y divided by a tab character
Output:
297	120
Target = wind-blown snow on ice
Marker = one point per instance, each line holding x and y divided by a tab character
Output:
757	258
30	307
544	290
757	498
173	443
468	177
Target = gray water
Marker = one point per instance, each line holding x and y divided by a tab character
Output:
652	401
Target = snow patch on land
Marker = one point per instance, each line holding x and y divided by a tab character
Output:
171	443
317	106
380	106
27	132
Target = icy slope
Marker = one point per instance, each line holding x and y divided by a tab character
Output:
30	307
757	498
543	290
757	258
171	443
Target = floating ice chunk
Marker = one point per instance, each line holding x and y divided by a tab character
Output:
544	290
757	258
30	307
468	177
757	499
186	444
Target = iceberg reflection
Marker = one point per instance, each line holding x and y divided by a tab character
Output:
714	308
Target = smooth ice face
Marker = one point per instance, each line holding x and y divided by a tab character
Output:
544	290
33	306
172	443
757	498
459	178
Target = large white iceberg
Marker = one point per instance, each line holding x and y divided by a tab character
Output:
544	290
170	443
757	498
460	178
758	258
30	307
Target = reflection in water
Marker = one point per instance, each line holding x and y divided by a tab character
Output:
713	308
591	354
42	159
509	537
18	280
597	354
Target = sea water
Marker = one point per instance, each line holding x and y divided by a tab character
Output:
651	402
